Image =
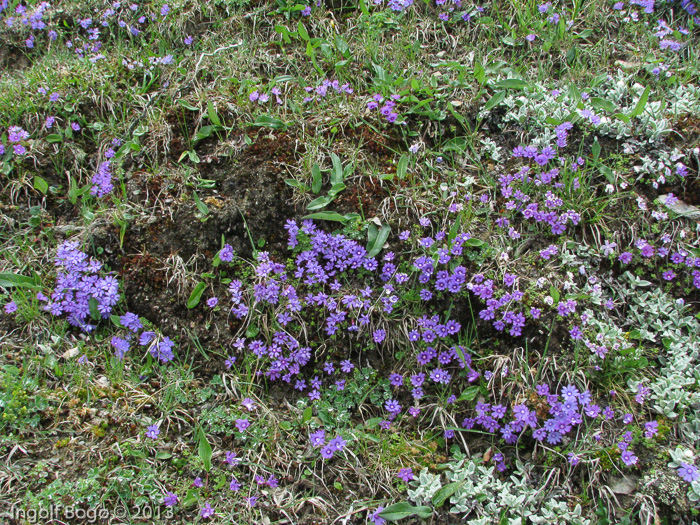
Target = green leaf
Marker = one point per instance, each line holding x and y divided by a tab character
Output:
379	239
203	133
14	280
495	100
596	149
479	73
163	455
337	173
296	184
511	83
331	216
621	116
56	137
602	103
94	311
445	492
306	416
335	189
641	104
454	230
187	105
316	178
342	46
474	243
41	185
211	112
402	166
469	394
302	32
555	294
203	208
320	202
399	511
204	450
196	295
266	121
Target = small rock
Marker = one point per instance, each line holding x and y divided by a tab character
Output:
624	485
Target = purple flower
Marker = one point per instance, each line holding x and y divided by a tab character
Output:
392	406
625	257
628	458
688	472
131	321
317	438
226	253
188	40
75	126
164	10
651	428
212	302
406	474
235	485
327	451
207	511
376	518
153	432
396	379
379	336
338	443
10	307
170	499
198	482
242	424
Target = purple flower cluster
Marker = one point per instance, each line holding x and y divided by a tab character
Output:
80	292
102	180
328	448
323	89
387	108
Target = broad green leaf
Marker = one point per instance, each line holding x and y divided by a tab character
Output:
474	243
399	511
41	185
302	32
642	103
402	166
203	133
203	208
187	105
335	189
602	103
266	121
495	100
511	83
320	202
331	216
94	311
454	230
196	295
445	492
211	112
316	178
342	46
56	137
337	173
621	116
306	416
204	450
469	394
555	294
479	73
596	149
13	280
296	184
163	455
379	240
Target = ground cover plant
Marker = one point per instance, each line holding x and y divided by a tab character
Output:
349	262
